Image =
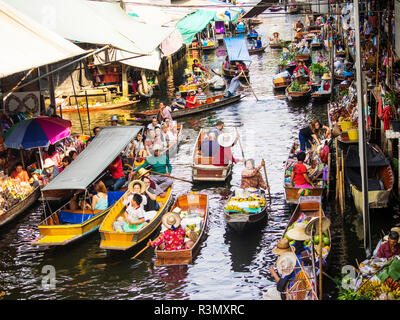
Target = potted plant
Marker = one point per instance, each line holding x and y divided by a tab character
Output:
390	99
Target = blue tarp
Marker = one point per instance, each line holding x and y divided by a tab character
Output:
237	49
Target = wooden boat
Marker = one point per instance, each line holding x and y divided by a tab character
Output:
72	108
230	73
380	177
292	194
241	221
114	240
275	46
316	45
339	78
297	95
193	202
302	57
65	226
183	88
255	21
292	9
20	207
319	96
281	83
308	208
203	168
275	8
257	50
212	103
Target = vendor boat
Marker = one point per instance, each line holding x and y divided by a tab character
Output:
230	73
305	288
20	207
65	226
122	241
203	168
193	202
185	88
302	57
212	103
380	177
275	8
242	218
316	45
275	46
293	8
281	82
297	95
97	107
321	96
340	53
257	50
292	193
237	50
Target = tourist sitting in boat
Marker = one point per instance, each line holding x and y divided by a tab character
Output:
117	179
135	187
301	69
178	102
151	197
197	67
73	154
310	133
299	25
19	173
191	99
53	154
154	124
325	83
50	170
114	121
320	58
174	237
134	218
389	248
158	140
224	153
201	97
234	84
275	38
138	147
163	113
99	200
299	177
149	142
217	129
209	145
65	162
253	33
251	176
171	125
159	164
216	81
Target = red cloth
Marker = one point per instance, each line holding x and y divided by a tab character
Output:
384	250
223	156
116	169
189	105
299	68
299	170
387	116
380	110
327	86
173	239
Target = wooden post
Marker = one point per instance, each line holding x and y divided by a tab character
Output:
320	252
125	80
76	102
50	80
88	114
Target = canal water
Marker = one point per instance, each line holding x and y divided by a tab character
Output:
229	265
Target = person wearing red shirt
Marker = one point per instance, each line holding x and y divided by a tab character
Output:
117	179
389	248
299	177
191	100
224	154
301	68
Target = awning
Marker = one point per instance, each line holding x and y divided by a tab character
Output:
237	49
94	22
27	44
92	161
194	23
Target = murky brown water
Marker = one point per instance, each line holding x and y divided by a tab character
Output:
229	265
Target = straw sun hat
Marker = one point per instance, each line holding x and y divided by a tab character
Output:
282	246
326	76
171	219
48	163
142	172
298	232
285	263
142	185
226	139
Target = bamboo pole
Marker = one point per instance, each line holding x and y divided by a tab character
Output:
320	252
377	77
343	185
337	170
165	175
76	102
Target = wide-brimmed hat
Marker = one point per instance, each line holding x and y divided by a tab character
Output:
325	222
114	118
157	147
286	263
142	185
275	33
282	246
142	172
48	163
298	232
396	229
226	139
171	219
326	76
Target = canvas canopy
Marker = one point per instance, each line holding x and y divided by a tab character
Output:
92	161
194	23
25	35
95	22
237	49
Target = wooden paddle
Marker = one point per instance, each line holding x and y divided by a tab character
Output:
250	85
240	142
135	256
164	175
266	179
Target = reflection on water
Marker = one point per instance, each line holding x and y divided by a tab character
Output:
229	265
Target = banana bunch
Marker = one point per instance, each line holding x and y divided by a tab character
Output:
376	289
232	207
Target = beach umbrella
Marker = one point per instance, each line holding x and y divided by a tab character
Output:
37	132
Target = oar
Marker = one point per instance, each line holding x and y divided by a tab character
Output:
240	142
250	85
164	175
134	257
266	179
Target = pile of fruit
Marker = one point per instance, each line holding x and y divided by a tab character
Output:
242	204
12	192
316	239
377	290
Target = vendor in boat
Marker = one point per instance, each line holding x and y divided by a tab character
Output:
325	83
50	170
197	67
217	129
258	43
235	84
251	176
209	146
201	96
301	69
299	25
178	102
134	217
280	69
73	154
310	133
153	124
391	247
191	99
174	237
224	154
275	38
19	173
320	58
253	33
299	177
159	164
117	179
